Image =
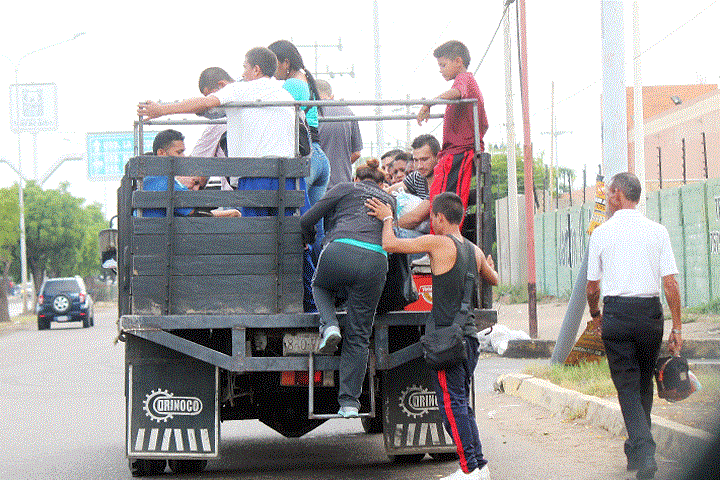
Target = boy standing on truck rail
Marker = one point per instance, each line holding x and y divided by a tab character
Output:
252	132
455	160
452	257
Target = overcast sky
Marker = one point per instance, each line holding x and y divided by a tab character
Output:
155	50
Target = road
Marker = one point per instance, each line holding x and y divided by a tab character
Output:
62	409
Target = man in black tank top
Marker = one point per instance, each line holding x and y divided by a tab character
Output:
451	258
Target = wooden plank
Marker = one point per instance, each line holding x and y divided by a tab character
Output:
215	225
146	165
151	265
221	244
217	198
218	295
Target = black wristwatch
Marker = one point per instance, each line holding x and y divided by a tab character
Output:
595	314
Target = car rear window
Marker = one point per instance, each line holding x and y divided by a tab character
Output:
53	287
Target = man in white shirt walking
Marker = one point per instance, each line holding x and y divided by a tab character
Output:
632	256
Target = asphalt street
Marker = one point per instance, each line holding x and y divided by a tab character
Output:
62	409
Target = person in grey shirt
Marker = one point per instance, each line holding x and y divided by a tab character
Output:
341	141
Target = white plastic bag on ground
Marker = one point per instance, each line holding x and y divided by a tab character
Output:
496	338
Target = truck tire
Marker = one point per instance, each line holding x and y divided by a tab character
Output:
407	459
372	425
86	322
141	467
43	324
187	466
444	456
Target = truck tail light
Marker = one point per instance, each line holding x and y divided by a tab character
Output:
82	297
290	379
41	299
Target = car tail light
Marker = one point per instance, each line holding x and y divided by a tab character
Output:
41	299
82	297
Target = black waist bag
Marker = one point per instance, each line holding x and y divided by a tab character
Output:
444	347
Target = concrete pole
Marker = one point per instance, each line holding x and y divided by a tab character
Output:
378	84
529	177
614	151
513	217
553	166
638	113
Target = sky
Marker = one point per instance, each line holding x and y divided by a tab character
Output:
133	51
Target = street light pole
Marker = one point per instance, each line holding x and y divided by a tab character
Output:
21	195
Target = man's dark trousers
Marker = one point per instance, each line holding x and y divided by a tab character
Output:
632	329
452	387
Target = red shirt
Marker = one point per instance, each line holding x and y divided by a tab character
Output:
458	125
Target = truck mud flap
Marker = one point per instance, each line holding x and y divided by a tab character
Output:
411	419
172	409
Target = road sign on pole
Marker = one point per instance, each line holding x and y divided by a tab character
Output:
33	107
108	152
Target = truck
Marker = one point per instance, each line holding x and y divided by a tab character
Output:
211	316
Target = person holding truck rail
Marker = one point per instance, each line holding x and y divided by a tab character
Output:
252	132
452	257
351	261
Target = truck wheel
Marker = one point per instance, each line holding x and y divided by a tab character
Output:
372	425
43	324
444	456
141	467
187	466
86	322
405	459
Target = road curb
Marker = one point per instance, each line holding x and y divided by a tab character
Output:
709	348
673	440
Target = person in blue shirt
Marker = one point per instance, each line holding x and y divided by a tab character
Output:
171	143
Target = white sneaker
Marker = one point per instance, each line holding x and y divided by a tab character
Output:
474	475
330	339
483	473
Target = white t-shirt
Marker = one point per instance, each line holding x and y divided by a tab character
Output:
258	132
630	254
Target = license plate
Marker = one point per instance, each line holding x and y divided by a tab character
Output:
62	318
302	343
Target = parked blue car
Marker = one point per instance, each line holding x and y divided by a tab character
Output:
64	300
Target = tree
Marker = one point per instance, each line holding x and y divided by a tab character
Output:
9	240
57	227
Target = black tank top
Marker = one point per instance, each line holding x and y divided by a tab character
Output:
448	288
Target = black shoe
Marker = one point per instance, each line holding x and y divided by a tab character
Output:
648	470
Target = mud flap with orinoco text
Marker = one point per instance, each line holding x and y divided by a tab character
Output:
172	409
411	419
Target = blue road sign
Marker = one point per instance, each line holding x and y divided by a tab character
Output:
108	152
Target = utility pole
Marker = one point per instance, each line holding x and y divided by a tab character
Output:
614	151
378	85
529	177
316	46
638	108
513	217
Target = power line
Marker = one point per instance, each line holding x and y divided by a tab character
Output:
639	55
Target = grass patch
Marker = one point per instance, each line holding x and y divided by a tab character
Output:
17	319
588	378
511	294
710	308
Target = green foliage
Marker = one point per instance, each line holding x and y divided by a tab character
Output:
511	294
9	224
61	233
712	307
589	378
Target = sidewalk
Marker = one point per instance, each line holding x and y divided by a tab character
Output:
674	440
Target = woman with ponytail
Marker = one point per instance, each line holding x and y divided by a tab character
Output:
353	264
301	85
